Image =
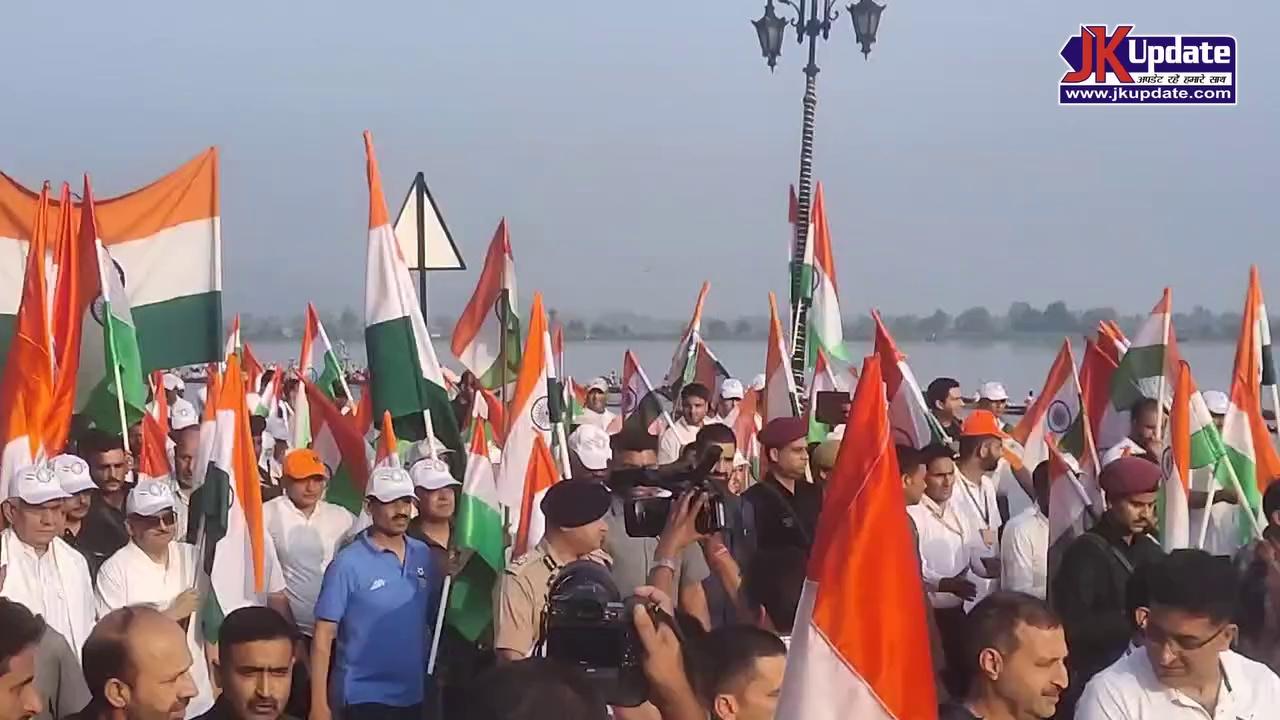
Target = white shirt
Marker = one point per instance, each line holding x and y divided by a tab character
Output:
1223	535
1007	486
55	584
604	420
304	546
131	577
1129	690
977	504
1024	553
181	510
674	439
944	550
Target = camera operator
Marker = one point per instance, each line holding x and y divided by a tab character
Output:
634	558
784	505
735	536
575	511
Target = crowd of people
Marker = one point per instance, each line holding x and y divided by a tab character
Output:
102	609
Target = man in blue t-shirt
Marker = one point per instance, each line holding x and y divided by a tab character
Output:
375	600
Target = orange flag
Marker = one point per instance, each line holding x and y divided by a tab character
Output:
74	254
388	454
857	653
26	384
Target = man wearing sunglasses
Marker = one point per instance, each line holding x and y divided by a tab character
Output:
155	570
1185	667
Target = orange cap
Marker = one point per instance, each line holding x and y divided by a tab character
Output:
982	423
303	463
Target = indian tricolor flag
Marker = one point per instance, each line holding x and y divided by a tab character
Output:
910	418
405	376
339	442
74	256
233	345
825	326
153	462
1193	444
26	385
779	385
854	653
208	423
1073	491
527	469
1144	370
1097	371
1244	432
1054	414
684	361
477	531
641	406
235	546
165	240
479	337
319	364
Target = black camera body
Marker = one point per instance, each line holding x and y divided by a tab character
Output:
588	626
646	516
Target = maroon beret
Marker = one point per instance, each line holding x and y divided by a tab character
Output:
783	431
1130	475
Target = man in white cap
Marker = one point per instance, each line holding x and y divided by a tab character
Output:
376	602
155	570
275	443
44	572
73	475
437	494
596	411
731	393
174	391
306	531
993	398
1224	534
590	453
184	434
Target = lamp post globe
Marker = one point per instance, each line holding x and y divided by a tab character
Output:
866	21
770	29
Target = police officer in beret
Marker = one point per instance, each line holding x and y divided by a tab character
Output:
785	504
575	512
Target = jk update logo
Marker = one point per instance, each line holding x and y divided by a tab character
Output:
1126	68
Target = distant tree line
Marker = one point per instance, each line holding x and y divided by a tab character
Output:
1021	320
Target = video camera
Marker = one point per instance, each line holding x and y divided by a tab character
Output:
646	516
588	625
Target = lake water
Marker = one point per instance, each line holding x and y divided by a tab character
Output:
1020	365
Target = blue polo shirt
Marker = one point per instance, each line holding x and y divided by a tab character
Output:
382	610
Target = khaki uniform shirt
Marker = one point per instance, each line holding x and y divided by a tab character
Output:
520	597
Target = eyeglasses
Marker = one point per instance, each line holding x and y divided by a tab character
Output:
1157	635
150	522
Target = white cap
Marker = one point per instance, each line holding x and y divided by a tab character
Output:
431	474
182	416
389	484
740	460
1217	401
731	389
173	382
36	485
591	444
149	498
992	391
599	384
72	473
757	382
421	450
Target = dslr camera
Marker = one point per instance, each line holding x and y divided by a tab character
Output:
588	626
645	514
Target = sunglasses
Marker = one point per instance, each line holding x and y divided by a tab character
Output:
150	522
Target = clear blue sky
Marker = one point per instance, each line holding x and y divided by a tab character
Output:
637	148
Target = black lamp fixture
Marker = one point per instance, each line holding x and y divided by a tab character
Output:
866	20
770	29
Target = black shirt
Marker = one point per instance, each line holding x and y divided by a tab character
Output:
1088	591
955	711
102	533
783	518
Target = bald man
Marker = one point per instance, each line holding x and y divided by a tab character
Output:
137	665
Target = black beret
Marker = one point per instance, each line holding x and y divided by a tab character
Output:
574	503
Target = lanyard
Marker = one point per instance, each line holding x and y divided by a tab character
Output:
941	516
983	510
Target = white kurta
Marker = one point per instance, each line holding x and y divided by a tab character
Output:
305	546
604	420
944	550
55	584
1024	553
674	439
131	577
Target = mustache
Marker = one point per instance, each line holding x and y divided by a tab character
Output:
400	516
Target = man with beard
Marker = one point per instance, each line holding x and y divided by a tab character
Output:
375	601
981	447
102	532
722	585
1015	658
695	403
185	434
1088	590
254	668
138	667
1185	667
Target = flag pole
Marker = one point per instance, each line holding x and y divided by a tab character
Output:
1275	407
1235	483
1203	532
418	182
503	304
435	636
1168	318
342	372
111	350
